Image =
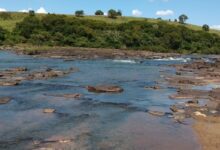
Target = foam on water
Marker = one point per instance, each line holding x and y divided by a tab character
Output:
125	61
181	59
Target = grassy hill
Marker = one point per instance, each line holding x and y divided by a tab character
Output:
16	17
128	33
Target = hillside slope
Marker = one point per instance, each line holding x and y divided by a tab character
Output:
17	17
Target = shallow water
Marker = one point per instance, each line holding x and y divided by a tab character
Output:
97	121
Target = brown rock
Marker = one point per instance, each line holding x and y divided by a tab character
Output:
9	83
156	113
153	87
4	100
104	89
72	95
49	110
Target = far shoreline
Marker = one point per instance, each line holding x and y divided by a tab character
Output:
86	53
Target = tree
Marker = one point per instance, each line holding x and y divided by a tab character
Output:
205	27
28	26
119	13
79	13
99	13
31	13
112	14
2	35
183	18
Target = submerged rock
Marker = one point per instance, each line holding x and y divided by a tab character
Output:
104	89
153	87
18	69
4	100
76	96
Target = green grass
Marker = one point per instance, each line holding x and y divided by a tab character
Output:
18	17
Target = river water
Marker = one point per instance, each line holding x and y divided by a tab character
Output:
96	121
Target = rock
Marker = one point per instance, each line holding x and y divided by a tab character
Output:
179	117
213	105
9	83
18	69
49	110
104	89
195	101
197	113
4	100
153	87
76	96
173	108
192	103
156	113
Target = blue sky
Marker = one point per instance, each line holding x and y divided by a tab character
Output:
199	11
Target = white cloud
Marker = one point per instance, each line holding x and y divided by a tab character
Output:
217	27
136	13
25	10
167	12
3	10
41	10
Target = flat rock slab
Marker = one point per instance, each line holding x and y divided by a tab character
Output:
157	113
49	110
4	100
105	89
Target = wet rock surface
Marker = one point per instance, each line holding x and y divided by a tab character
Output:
14	76
105	89
198	73
4	100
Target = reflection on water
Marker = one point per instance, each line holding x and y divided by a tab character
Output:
96	121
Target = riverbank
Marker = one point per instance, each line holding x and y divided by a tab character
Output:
198	84
87	53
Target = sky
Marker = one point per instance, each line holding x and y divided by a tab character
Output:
199	11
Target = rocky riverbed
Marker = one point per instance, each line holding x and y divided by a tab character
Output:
198	83
68	103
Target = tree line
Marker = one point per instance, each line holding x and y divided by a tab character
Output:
62	30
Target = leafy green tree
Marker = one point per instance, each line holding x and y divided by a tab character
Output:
31	13
99	13
2	35
119	13
183	18
112	14
205	27
79	13
28	26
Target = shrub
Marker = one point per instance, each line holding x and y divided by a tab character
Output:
5	15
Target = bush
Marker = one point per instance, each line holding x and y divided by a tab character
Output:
2	35
145	35
5	15
28	26
99	13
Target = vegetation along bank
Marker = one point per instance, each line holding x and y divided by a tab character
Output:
112	31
